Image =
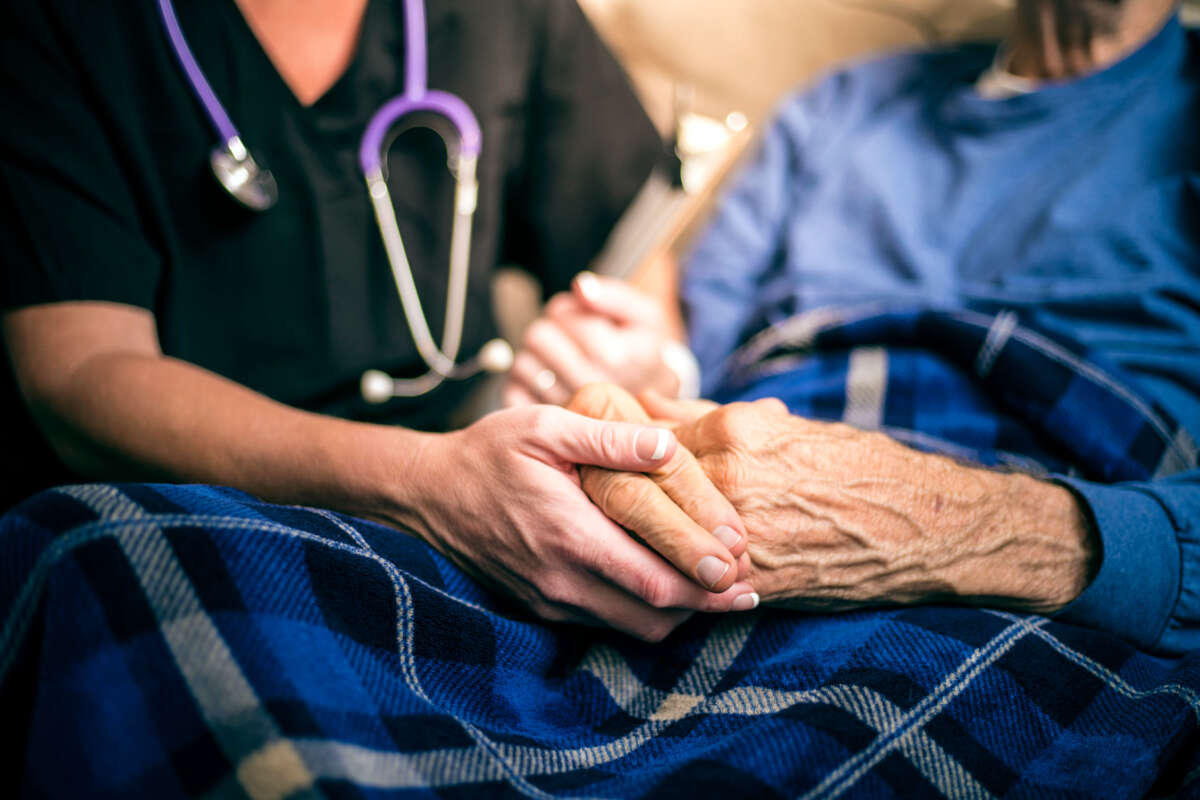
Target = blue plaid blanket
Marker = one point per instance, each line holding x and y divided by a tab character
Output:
162	641
987	388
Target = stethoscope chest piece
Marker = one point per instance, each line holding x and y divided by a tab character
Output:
240	175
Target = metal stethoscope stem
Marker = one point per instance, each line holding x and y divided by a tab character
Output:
496	355
255	188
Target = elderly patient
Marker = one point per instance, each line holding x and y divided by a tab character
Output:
994	255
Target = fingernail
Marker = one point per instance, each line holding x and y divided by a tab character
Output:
728	536
652	447
710	570
746	602
587	284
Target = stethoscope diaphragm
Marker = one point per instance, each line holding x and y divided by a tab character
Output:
240	175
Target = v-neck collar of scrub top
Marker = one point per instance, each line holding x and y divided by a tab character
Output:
339	97
368	81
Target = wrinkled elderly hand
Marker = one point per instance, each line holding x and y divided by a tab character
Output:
838	517
673	508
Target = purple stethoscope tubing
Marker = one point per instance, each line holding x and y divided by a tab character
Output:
204	92
255	188
417	97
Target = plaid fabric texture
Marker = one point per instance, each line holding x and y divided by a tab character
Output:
987	388
163	641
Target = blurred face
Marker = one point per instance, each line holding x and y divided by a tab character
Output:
1060	38
1073	23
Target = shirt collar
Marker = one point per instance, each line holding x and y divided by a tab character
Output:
1000	83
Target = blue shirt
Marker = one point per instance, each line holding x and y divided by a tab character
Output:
1076	206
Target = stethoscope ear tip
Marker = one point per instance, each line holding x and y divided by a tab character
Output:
377	387
496	356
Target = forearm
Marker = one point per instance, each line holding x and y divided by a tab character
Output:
1032	548
838	517
928	530
144	417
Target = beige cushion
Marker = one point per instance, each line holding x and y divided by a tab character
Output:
745	54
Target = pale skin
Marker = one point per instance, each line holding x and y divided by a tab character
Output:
602	330
502	499
310	42
839	517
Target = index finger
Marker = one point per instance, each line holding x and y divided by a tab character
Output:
616	299
704	551
674	508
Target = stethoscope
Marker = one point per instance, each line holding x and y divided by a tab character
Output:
255	188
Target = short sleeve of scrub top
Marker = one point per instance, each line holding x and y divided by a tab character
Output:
107	194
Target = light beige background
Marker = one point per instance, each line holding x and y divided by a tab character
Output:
742	55
745	54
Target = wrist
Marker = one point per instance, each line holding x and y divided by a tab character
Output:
385	474
414	481
1044	549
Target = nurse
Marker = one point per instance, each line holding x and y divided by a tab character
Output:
156	330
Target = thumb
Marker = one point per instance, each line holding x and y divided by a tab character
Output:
660	407
624	446
616	299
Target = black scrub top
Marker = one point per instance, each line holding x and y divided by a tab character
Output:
106	192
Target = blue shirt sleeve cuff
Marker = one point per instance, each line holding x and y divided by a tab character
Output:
1135	590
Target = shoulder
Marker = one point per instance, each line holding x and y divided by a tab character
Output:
92	39
71	23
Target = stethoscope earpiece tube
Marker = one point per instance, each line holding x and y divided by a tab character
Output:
385	217
495	356
463	157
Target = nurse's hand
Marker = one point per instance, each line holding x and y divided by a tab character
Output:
673	506
502	499
602	331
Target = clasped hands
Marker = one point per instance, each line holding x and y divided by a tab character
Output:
835	517
746	503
